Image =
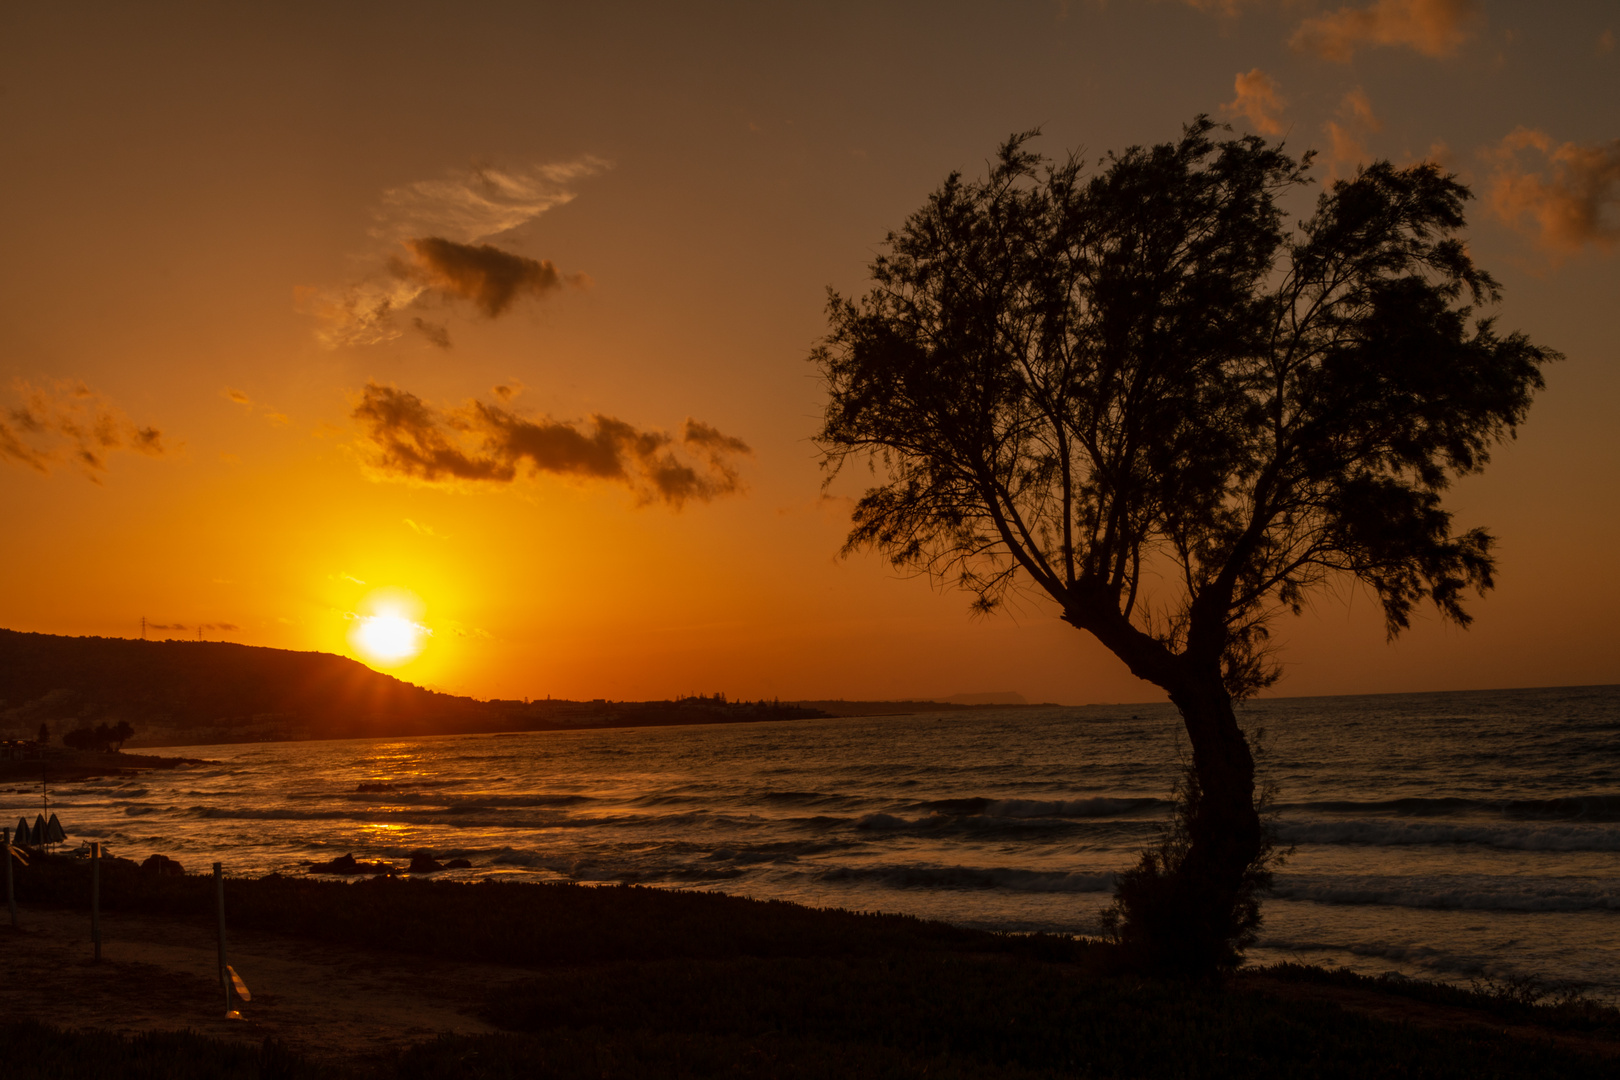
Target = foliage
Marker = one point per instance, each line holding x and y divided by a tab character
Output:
1142	381
99	739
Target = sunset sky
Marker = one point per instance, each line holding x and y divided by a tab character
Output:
496	316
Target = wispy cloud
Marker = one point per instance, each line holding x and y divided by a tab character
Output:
1566	195
439	225
200	628
403	437
1258	100
240	397
67	422
479	202
1431	27
425	530
1347	135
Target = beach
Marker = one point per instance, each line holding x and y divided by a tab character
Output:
642	982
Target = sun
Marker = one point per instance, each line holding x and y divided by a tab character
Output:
389	633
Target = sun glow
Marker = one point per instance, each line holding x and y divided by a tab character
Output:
389	633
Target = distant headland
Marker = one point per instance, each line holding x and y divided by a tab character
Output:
190	693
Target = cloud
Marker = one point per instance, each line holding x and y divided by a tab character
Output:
67	421
425	530
491	278
1347	135
1432	27
406	438
1257	101
240	397
1567	197
480	202
440	225
1229	8
436	333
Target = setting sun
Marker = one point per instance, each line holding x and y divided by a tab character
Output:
389	632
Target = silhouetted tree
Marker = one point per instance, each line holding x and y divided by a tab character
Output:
1138	392
121	733
44	733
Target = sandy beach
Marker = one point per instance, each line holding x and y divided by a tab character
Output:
360	1007
326	1001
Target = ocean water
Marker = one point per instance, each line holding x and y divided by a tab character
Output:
1453	836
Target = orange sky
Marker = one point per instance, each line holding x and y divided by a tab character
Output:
206	208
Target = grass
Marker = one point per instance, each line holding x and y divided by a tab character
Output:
638	982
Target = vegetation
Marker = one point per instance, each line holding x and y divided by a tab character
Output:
1140	394
99	739
646	983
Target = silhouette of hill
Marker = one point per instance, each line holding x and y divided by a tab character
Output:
199	692
174	689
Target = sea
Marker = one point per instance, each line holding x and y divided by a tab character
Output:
1471	838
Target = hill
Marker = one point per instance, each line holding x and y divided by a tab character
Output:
199	692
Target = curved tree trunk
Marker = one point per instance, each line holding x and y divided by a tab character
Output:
1191	906
1218	871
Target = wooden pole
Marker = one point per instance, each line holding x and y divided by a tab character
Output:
95	897
219	910
11	895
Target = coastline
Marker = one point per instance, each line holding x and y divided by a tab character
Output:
394	977
80	765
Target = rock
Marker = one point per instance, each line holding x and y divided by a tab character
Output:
423	862
458	864
162	866
348	864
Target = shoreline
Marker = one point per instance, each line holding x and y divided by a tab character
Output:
79	765
383	973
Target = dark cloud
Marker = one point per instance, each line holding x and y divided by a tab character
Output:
442	225
491	278
406	438
436	333
67	421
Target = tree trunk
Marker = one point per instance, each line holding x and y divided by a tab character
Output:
1225	838
1191	906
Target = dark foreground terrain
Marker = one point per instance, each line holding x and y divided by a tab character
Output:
402	978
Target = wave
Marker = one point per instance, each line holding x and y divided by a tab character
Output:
1096	807
1408	833
969	877
1593	807
1459	893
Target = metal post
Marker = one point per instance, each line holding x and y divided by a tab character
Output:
95	897
219	910
11	895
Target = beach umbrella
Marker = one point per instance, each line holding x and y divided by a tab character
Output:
37	833
53	832
24	834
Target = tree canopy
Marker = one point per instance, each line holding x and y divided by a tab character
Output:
1140	393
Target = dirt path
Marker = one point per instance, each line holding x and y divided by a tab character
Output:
159	975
